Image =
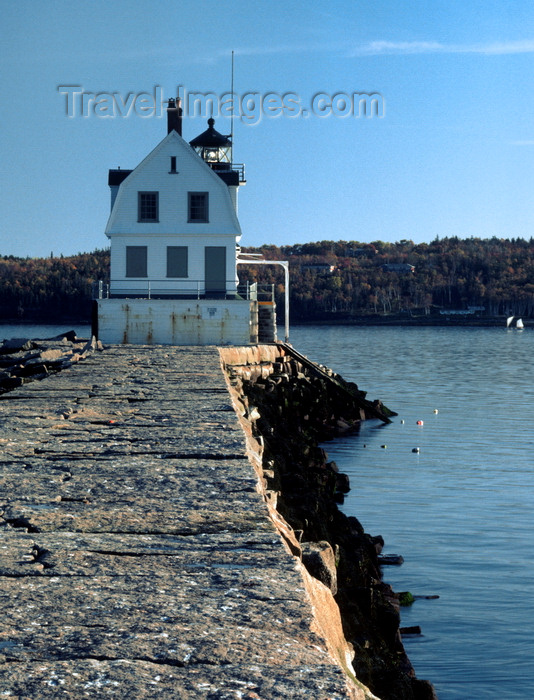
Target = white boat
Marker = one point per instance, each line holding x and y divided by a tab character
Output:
519	325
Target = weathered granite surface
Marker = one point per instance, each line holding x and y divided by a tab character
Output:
137	558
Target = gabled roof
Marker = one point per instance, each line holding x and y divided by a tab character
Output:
187	152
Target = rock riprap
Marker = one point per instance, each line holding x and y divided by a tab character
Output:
137	555
288	405
23	360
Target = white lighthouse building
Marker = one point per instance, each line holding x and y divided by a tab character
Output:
174	235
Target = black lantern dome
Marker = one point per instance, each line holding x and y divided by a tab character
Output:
213	147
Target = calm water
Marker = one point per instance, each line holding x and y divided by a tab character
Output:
461	511
27	330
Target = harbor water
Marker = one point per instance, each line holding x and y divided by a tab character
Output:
460	510
41	330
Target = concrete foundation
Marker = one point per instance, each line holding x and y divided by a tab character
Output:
177	321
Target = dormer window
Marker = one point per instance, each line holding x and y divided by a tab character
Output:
198	207
147	206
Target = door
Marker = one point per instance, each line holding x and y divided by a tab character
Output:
215	270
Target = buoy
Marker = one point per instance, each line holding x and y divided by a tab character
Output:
384	447
415	449
402	421
420	422
436	410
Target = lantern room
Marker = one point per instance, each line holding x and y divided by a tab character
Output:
214	148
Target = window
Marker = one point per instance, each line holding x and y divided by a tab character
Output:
198	207
147	205
177	261
173	165
136	261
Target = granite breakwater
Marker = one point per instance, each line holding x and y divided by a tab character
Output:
168	528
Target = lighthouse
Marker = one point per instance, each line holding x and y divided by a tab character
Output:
174	239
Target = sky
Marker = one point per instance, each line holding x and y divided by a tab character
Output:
448	150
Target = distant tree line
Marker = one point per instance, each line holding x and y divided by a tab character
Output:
50	289
329	280
332	280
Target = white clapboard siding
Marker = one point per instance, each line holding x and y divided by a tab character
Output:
153	175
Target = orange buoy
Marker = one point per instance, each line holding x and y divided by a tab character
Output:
420	422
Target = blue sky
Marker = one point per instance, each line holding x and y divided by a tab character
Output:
452	153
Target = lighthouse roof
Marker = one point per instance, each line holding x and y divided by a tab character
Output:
210	138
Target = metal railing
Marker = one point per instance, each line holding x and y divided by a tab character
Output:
240	168
155	289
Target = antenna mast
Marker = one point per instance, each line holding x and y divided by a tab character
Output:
232	112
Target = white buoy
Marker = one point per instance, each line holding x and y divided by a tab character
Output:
436	410
416	450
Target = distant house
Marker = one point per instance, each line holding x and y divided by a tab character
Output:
471	310
457	312
174	235
398	267
319	267
368	251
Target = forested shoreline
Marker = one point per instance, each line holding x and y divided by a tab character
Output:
330	281
50	289
350	281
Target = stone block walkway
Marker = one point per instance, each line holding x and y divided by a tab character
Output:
137	559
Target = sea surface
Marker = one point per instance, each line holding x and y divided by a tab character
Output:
41	330
461	510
